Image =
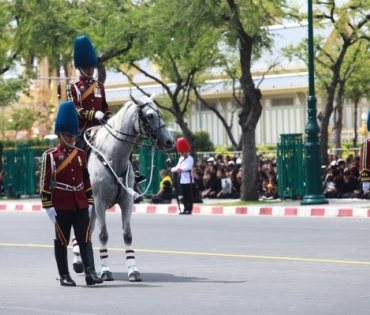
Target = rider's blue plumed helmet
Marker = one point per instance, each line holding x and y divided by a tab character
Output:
67	120
84	53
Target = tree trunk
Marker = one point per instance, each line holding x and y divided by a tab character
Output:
102	73
355	124
325	121
330	90
338	120
222	119
248	119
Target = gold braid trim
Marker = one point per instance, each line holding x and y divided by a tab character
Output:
88	233
61	235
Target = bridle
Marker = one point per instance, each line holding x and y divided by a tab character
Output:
144	127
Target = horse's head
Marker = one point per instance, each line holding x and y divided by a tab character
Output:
150	123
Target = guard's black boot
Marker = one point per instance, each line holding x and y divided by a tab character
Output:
60	252
87	257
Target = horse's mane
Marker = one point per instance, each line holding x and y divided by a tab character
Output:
115	122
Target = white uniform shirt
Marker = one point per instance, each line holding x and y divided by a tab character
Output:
186	165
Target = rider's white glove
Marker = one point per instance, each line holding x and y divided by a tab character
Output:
99	115
90	209
52	214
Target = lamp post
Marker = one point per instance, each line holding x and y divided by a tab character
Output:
314	193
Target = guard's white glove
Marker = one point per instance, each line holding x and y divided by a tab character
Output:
52	214
366	186
99	115
90	209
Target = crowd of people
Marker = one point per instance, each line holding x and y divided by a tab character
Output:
341	178
219	177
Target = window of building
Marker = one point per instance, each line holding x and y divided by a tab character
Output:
282	101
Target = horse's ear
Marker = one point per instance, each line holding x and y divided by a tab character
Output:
152	97
136	101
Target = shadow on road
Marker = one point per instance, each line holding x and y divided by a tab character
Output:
166	277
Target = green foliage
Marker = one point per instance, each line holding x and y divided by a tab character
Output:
266	147
203	142
223	149
21	119
8	144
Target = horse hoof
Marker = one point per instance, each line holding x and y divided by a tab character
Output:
107	276
134	277
78	267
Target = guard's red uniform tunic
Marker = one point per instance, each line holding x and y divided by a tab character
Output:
87	108
365	161
70	189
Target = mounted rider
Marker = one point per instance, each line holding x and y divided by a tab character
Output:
88	95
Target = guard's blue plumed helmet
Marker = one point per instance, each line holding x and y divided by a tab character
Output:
67	120
84	53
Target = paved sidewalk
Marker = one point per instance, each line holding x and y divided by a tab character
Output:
335	208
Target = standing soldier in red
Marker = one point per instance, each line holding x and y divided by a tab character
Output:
185	167
67	195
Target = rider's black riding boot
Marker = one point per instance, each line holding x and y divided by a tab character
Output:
87	257
137	189
139	178
60	252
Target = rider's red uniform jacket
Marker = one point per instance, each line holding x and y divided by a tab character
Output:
70	189
91	104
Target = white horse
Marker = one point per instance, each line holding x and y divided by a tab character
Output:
112	175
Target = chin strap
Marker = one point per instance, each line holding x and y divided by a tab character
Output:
85	75
65	142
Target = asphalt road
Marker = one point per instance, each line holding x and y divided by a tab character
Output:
196	265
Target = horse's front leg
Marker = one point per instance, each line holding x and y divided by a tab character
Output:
126	210
106	274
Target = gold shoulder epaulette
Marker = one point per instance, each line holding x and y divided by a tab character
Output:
51	150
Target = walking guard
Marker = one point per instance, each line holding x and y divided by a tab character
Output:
67	195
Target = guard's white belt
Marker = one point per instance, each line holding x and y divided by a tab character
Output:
67	187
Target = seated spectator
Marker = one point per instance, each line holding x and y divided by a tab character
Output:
236	184
338	185
210	177
164	194
350	187
198	179
271	187
216	187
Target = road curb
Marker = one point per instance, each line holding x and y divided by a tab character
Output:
305	211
